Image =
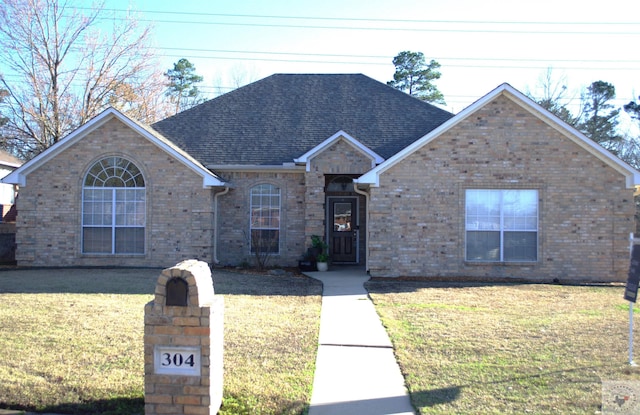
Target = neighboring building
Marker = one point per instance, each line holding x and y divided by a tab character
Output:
8	192
8	163
502	189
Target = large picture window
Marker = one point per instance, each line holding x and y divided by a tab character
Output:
113	208
265	219
501	225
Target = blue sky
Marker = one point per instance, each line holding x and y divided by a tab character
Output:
479	44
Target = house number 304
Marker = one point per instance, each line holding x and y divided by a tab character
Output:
177	360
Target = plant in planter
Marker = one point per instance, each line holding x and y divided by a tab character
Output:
318	246
322	262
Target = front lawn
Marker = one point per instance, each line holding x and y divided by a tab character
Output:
506	348
71	340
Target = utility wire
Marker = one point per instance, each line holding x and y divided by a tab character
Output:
396	29
363	19
635	25
389	58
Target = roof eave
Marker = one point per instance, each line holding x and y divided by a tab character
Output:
263	168
306	158
19	175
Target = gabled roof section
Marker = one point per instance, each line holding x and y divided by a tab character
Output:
273	121
631	174
340	135
19	176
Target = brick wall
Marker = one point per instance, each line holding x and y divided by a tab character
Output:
179	211
303	205
340	158
234	208
585	210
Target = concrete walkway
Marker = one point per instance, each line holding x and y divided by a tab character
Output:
356	370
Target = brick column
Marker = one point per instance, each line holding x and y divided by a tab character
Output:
183	343
314	205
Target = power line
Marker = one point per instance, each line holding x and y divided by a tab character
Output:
389	58
377	28
364	19
392	29
543	63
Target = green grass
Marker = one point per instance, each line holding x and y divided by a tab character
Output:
506	348
72	340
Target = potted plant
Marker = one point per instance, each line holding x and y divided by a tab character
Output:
322	261
317	246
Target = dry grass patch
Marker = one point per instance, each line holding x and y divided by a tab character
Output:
506	348
72	340
270	349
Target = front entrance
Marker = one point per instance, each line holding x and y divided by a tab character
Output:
343	229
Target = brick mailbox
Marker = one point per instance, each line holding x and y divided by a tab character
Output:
183	338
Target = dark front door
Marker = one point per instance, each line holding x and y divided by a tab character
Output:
343	233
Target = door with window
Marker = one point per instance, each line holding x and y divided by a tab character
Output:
343	229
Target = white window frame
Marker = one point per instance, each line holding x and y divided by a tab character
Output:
276	191
498	223
122	213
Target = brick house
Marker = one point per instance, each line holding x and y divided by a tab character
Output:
396	185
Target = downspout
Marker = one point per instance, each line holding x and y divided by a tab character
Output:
215	224
366	234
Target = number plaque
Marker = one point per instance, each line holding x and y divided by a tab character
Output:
172	360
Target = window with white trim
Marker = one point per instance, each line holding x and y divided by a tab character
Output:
501	225
265	219
113	208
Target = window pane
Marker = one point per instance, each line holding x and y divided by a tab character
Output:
509	213
114	172
520	209
96	240
129	241
265	241
483	209
520	246
483	246
483	202
96	209
342	217
114	179
107	213
265	218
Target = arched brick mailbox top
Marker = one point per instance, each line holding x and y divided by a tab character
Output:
196	274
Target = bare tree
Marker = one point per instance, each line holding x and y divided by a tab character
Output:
143	101
241	75
553	94
238	76
64	64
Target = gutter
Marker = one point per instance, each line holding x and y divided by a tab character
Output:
366	234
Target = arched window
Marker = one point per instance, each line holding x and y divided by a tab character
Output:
113	208
265	219
340	184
